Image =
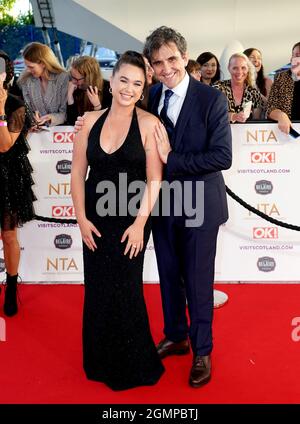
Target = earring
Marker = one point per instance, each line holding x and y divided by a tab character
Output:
110	90
142	97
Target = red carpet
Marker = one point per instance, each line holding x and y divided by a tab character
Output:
255	359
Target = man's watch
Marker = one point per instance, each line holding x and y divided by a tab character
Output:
3	117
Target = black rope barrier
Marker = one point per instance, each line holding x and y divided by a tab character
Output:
259	213
229	192
57	220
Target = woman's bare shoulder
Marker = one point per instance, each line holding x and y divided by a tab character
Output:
91	117
146	118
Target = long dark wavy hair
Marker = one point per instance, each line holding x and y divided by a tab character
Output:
260	78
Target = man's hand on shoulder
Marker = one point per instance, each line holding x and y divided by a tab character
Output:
162	141
79	123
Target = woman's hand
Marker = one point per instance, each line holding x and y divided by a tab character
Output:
92	93
42	120
240	117
284	123
135	242
87	228
71	88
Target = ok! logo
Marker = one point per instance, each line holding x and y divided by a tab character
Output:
63	137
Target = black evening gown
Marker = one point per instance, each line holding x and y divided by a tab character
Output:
118	348
16	195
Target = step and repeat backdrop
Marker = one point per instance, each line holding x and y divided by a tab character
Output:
265	173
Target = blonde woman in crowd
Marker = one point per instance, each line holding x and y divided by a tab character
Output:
244	99
44	85
87	90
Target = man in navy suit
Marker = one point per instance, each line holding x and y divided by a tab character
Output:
196	149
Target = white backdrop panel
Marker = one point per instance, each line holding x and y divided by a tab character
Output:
265	173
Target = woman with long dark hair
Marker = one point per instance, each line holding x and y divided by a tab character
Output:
263	83
118	146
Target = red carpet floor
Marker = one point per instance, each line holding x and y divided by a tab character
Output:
255	359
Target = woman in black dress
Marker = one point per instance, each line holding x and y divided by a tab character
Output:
16	195
118	145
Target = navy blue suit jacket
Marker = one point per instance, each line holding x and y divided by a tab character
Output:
201	145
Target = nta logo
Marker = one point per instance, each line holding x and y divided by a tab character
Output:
265	233
64	167
61	189
266	264
63	241
267	208
263	187
63	137
262	157
261	137
61	264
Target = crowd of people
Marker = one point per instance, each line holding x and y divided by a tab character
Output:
54	96
161	118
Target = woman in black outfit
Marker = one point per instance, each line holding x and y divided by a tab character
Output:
118	147
16	196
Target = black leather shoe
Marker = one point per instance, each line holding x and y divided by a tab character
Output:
200	371
166	347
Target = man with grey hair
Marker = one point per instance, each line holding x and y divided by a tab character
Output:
195	147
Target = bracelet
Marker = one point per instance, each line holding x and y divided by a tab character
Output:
97	105
3	124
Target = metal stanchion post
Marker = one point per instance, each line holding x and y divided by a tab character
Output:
220	298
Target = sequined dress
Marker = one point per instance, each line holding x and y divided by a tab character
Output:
118	348
16	195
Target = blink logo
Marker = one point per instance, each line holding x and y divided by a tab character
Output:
2	265
263	187
64	167
266	264
63	241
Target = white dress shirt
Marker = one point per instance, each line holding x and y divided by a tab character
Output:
176	100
